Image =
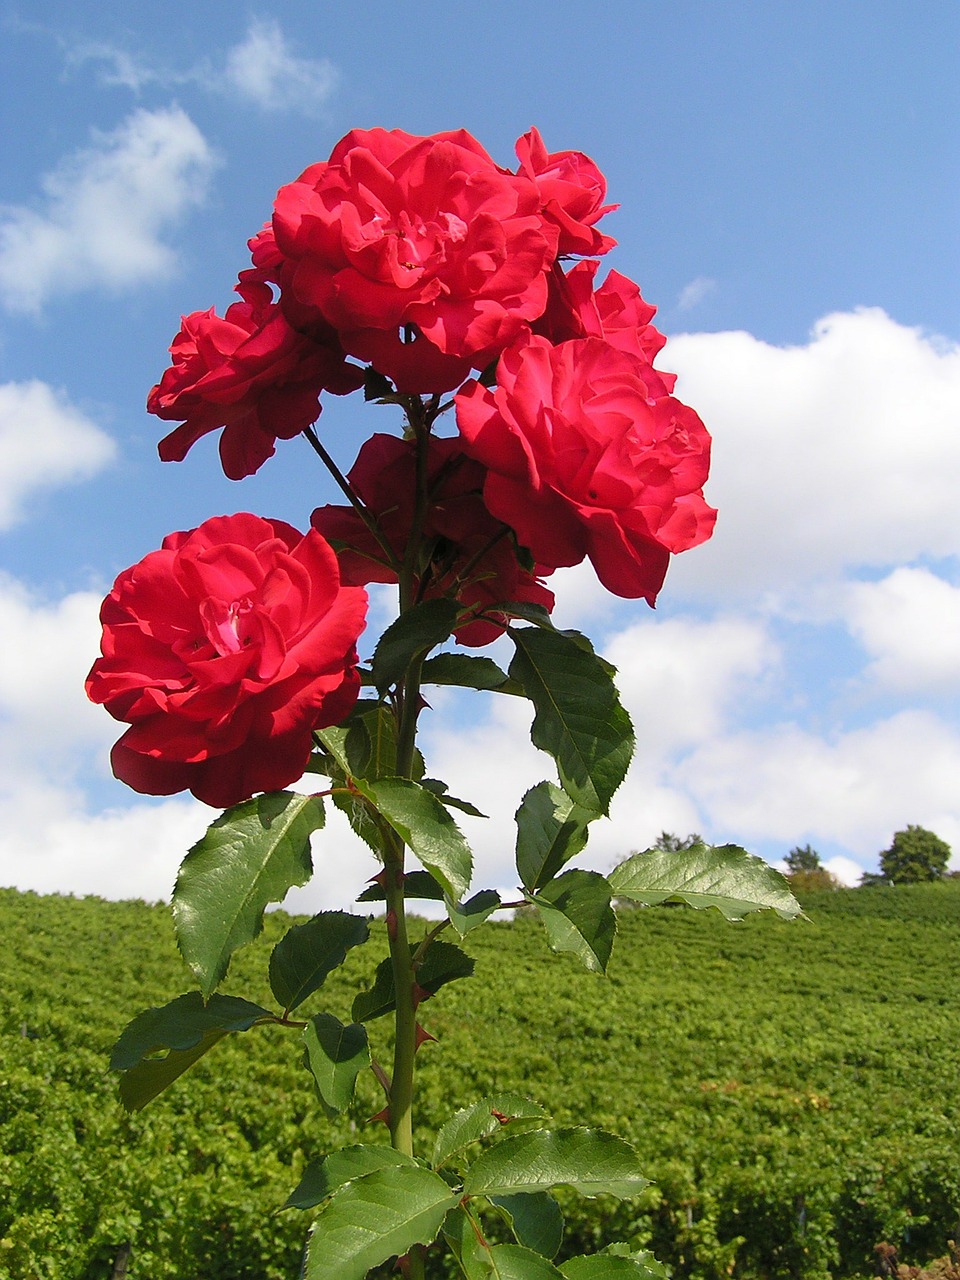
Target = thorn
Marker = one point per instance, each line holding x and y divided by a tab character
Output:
391	921
423	1036
500	1117
420	994
383	1115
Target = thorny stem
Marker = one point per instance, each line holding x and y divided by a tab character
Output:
404	961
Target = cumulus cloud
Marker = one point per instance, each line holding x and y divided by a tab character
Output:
909	624
828	457
44	442
854	788
104	211
264	69
51	843
45	718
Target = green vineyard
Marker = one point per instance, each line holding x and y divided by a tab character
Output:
792	1088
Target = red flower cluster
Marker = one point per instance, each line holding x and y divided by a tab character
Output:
424	259
223	651
465	551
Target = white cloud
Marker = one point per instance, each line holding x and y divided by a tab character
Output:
855	788
47	726
827	457
51	843
264	69
909	623
678	678
104	211
844	869
692	294
44	442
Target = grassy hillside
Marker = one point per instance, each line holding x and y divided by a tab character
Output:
792	1087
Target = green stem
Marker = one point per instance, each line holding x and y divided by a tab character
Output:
343	485
400	1096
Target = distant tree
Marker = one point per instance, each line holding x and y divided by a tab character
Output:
805	859
669	843
915	855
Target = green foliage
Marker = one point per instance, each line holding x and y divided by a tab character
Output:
725	877
308	953
805	859
423	823
915	855
786	1089
578	716
336	1054
577	914
250	856
370	1219
414	632
551	829
588	1160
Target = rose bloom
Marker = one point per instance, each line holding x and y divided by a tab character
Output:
223	651
616	312
250	373
468	553
572	191
423	254
583	462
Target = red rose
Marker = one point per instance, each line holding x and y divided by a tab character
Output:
250	373
423	254
468	554
616	312
224	650
572	191
583	462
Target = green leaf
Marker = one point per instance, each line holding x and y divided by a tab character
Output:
443	962
441	791
423	823
416	884
468	673
551	829
188	1029
481	1261
513	1262
374	1218
469	914
372	743
321	1178
578	916
527	612
579	719
307	953
417	631
725	877
609	1266
250	856
481	1119
336	1054
588	1160
335	739
379	999
535	1219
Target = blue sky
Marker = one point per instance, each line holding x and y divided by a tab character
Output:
789	183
